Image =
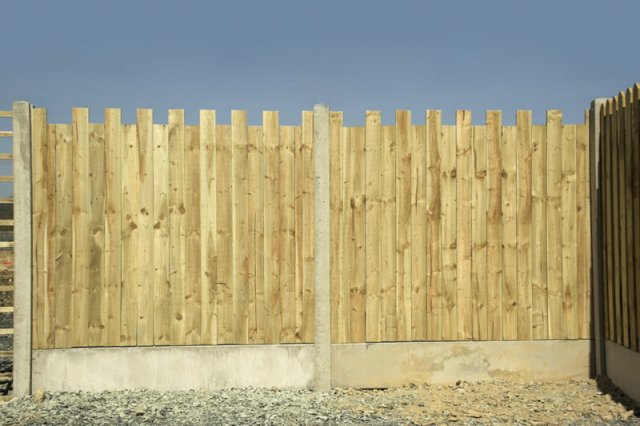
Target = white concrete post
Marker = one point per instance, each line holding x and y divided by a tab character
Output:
321	235
22	249
596	237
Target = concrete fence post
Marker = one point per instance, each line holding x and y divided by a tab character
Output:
321	233
596	237
22	250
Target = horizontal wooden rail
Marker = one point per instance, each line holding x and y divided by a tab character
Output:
6	309
6	331
6	200
6	178
6	244
6	134
7	222
6	376
6	354
6	114
7	288
5	156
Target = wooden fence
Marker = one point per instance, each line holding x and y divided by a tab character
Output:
150	234
619	168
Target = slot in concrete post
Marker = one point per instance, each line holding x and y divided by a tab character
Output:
321	233
596	238
22	250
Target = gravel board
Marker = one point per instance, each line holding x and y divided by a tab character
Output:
574	402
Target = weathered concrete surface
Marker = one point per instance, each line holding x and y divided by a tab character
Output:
173	368
394	364
623	368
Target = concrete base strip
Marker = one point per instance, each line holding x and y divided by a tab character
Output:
623	368
394	364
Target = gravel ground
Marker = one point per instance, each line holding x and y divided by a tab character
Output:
575	402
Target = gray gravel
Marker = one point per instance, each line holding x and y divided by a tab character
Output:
575	402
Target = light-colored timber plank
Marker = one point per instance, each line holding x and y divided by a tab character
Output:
347	233
539	305
255	214
6	114
335	225
629	230
464	294
177	230
6	134
241	285
80	226
583	230
160	279
615	214
6	200
208	272
6	354
635	141
95	297
479	200
144	289
6	178
63	242
373	141
7	288
608	210
308	283
193	288
434	214
403	224
7	244
225	236
418	233
130	236
509	234
271	259
569	233
6	309
298	183
113	141
523	225
358	259
287	229
449	233
11	222
494	225
6	331
388	325
622	199
4	156
39	148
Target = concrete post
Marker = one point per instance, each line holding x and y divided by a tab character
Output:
321	235
596	237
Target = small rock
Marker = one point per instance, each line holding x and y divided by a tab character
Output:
38	396
139	411
458	382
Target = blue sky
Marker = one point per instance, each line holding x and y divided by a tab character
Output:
288	55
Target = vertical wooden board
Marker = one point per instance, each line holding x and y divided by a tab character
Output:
479	201
80	226
434	216
358	258
50	301
308	280
208	270
271	228
96	307
554	223
113	144
335	224
629	231
464	136
193	266
509	234
602	177
635	141
523	226
494	225
403	224
287	230
177	235
583	229
622	184
225	236
160	280
569	232
449	233
346	235
608	200
388	312
255	215
418	233
539	307
40	214
298	183
373	141
615	214
130	236
144	290
64	242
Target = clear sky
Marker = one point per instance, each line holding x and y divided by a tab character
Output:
288	55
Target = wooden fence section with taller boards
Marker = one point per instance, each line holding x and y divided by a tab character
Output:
151	234
456	232
619	169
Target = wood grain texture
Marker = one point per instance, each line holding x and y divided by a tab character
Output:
509	234
286	234
539	306
358	244
388	307
50	298
449	235
225	236
403	224
347	233
434	215
335	225
464	294
569	232
255	216
419	229
479	200
583	228
192	217
635	141
308	259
